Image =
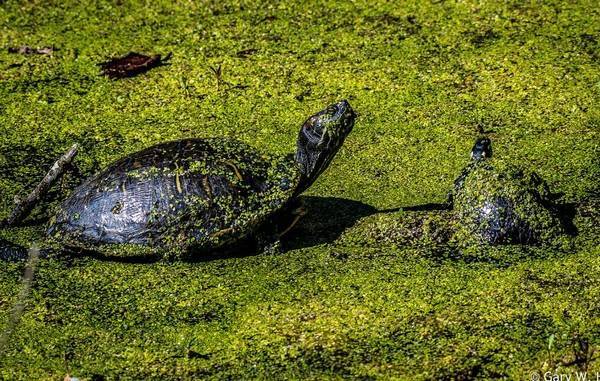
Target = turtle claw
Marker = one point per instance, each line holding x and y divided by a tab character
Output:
298	213
269	245
273	248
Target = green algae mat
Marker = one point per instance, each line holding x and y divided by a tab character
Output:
345	300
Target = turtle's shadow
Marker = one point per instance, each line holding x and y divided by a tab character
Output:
328	217
325	220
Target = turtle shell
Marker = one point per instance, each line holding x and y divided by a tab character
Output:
187	194
502	204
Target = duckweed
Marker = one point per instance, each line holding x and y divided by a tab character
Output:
346	299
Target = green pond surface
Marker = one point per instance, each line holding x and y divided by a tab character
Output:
425	77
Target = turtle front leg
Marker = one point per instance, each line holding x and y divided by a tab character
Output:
269	244
298	213
269	240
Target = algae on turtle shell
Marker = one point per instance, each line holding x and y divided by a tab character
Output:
503	204
424	75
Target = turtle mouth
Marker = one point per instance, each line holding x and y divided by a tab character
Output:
344	115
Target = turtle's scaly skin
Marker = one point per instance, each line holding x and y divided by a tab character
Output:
501	204
190	194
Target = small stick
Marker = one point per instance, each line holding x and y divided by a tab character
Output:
19	307
24	207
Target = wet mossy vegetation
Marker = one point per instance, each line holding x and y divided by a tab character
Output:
357	293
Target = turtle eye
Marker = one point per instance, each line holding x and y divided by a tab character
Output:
314	127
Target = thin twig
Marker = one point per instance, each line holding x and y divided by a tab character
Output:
19	307
24	207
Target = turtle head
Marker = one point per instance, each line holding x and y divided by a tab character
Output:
319	139
482	149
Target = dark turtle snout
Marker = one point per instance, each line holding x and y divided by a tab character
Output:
482	149
329	126
345	115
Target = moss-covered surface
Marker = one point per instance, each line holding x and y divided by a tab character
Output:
425	78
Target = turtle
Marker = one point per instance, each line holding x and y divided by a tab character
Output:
199	194
492	203
498	203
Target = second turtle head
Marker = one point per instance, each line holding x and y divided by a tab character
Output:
482	149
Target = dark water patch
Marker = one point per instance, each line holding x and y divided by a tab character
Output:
480	38
589	44
132	64
566	213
